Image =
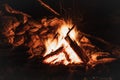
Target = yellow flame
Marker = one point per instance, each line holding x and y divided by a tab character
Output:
57	59
73	34
64	30
53	45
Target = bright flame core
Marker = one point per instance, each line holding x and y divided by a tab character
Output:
67	55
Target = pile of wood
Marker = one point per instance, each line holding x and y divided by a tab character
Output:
19	29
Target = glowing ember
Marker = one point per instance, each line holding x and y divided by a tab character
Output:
67	55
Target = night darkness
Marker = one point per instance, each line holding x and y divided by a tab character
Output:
100	18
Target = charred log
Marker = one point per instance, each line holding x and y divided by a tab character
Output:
77	49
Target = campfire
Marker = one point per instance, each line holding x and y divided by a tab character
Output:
56	40
58	48
69	46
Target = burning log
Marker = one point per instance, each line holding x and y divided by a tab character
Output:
54	53
76	48
67	56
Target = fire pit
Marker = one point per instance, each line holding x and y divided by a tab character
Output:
55	43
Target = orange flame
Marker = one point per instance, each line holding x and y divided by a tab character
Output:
53	44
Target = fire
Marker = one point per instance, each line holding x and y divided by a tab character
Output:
66	55
60	40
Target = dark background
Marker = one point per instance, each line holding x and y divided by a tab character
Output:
100	18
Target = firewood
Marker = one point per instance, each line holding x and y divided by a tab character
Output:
43	31
34	26
48	7
22	30
34	23
10	39
15	24
77	49
26	27
54	53
8	23
55	22
19	40
36	43
29	44
34	30
38	51
43	20
87	45
19	30
66	55
8	33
